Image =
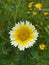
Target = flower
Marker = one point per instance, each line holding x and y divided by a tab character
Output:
47	26
46	13
38	5
28	12
23	35
34	13
42	46
30	4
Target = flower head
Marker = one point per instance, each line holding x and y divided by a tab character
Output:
42	46
38	5
23	35
30	4
34	13
46	13
48	26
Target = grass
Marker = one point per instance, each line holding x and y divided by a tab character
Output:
14	11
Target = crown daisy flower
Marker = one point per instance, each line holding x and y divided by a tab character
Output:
38	5
46	13
30	4
34	13
42	46
23	35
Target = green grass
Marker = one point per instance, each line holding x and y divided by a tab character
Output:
13	12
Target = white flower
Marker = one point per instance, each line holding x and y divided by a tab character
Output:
23	35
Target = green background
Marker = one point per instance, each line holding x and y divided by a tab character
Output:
14	11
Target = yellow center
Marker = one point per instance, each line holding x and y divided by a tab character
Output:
23	34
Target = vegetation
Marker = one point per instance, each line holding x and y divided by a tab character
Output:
14	11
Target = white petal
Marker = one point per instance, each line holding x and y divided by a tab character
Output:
27	23
14	43
21	47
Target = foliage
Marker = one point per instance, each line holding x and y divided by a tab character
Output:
14	11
